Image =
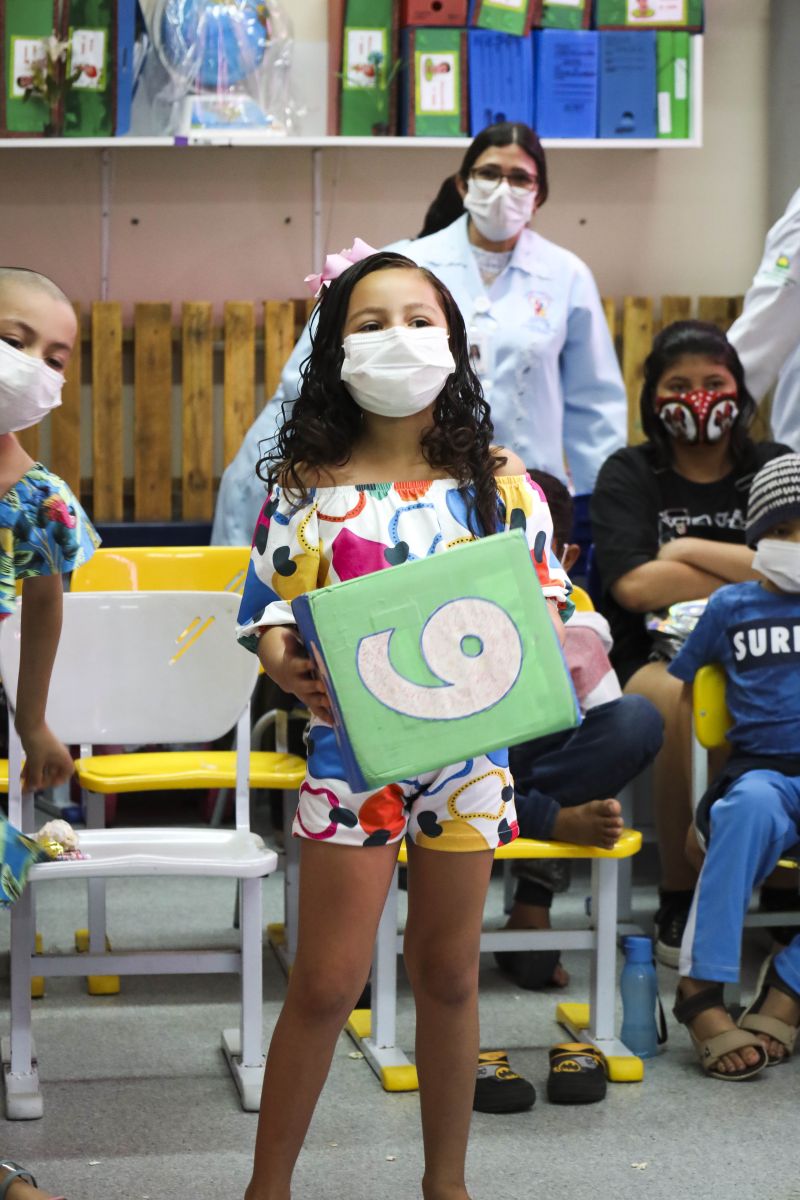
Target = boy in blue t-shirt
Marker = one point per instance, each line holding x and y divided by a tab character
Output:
750	817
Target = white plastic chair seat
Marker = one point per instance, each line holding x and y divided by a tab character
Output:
164	851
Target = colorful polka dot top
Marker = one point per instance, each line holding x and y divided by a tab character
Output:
350	530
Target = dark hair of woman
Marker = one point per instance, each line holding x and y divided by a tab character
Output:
325	422
448	205
706	340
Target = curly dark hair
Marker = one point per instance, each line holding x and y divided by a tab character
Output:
672	343
325	422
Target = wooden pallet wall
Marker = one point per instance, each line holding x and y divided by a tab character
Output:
223	375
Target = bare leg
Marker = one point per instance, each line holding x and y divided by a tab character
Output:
446	894
671	773
342	892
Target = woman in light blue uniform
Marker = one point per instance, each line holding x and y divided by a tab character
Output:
538	334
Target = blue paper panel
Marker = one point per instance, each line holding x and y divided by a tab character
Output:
627	105
566	66
500	79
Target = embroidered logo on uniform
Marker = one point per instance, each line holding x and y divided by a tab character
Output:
782	262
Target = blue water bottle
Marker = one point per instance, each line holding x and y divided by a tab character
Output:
639	988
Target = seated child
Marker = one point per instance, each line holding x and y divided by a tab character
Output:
565	786
566	782
750	817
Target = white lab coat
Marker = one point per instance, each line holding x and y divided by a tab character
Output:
767	334
552	376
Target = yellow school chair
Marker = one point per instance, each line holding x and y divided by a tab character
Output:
711	721
156	568
581	599
374	1031
147	665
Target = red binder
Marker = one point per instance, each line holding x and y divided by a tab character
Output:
433	12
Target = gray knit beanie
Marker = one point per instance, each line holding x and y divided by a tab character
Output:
774	496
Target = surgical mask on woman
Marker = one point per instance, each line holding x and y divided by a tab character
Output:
498	210
698	416
29	389
779	562
398	371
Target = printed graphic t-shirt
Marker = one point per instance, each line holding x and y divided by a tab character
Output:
637	506
755	635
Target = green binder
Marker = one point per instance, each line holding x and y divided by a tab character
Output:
504	16
673	78
90	107
368	69
436	70
649	14
23	25
565	14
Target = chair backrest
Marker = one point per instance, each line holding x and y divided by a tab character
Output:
158	568
581	599
142	667
711	717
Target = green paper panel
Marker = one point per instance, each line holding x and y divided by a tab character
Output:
504	16
438	72
649	14
565	14
433	662
24	22
368	65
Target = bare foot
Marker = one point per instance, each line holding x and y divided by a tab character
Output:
598	823
444	1192
777	1004
717	1020
536	916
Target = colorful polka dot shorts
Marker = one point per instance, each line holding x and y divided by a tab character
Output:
461	808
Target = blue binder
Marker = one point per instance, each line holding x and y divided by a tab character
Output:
500	79
628	84
565	71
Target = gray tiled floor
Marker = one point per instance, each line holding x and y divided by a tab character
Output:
139	1104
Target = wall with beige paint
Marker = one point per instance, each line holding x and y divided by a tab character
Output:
221	223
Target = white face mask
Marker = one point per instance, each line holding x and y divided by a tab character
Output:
499	211
398	371
28	389
779	562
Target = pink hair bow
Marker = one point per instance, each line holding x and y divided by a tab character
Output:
335	264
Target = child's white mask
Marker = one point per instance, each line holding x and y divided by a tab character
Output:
29	389
398	371
499	213
779	562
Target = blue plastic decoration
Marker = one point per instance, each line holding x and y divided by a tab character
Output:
214	44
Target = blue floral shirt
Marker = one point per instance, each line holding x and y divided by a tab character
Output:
43	531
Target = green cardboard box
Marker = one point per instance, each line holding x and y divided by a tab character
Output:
23	26
436	661
435	82
649	14
505	16
367	107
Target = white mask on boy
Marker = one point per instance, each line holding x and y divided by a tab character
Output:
779	562
501	213
29	389
398	371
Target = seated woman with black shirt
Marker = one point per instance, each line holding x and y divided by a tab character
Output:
668	523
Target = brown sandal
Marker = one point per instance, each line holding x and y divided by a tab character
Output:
711	1050
752	1020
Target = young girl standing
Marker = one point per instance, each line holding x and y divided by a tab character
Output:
386	457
